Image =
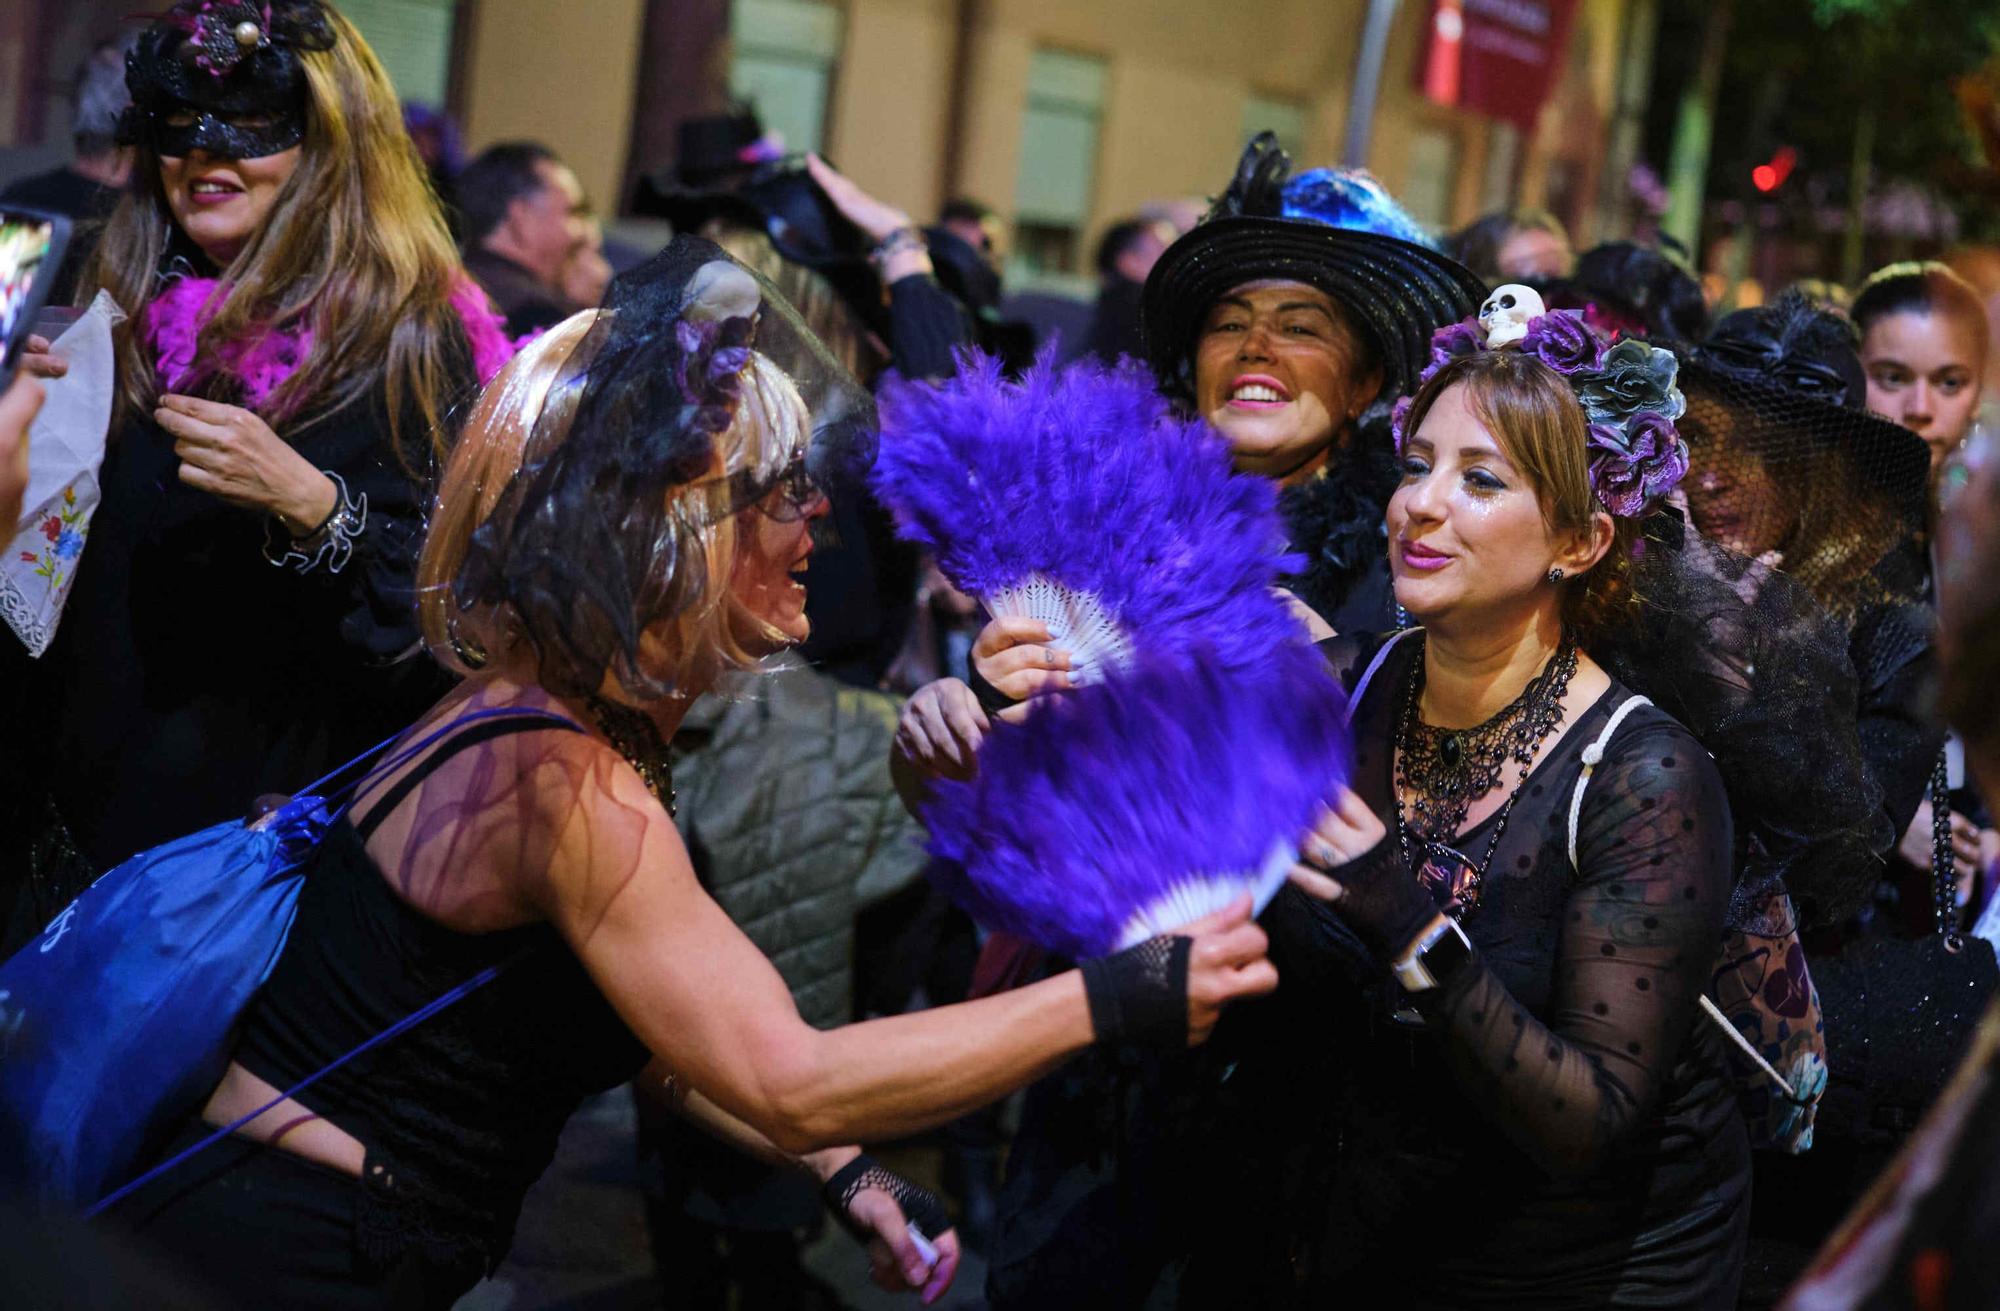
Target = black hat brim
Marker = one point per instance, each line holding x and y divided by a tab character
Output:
1398	292
1893	464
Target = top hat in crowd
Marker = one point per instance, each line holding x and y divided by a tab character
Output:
1625	289
1333	229
718	149
730	169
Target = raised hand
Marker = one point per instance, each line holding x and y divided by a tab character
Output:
940	729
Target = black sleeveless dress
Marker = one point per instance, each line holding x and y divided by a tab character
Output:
458	1115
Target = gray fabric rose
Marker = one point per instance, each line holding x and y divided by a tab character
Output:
1632	377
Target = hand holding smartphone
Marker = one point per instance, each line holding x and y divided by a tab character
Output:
31	252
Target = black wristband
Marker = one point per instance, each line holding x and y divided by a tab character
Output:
920	1205
991	699
1139	995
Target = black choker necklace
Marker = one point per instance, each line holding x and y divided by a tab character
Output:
637	738
1443	771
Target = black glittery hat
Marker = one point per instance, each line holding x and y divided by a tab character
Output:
1328	230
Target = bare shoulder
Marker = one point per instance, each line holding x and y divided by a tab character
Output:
598	829
495	817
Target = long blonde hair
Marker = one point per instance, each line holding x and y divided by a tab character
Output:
355	248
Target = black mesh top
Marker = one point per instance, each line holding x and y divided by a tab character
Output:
1563	1132
460	1114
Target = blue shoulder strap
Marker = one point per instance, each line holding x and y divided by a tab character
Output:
387	762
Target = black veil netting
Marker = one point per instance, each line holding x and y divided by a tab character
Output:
1834	496
1749	662
602	533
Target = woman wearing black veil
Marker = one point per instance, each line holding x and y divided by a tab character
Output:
1789	467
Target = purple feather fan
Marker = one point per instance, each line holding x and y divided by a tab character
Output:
1128	808
1075	496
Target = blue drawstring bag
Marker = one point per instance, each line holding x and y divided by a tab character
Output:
118	1021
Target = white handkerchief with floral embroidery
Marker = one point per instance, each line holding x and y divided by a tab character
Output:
65	449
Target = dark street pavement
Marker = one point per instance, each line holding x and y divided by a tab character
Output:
581	1244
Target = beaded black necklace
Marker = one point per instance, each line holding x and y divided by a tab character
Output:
1443	771
1944	867
637	738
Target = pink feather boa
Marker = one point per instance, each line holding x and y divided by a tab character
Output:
175	318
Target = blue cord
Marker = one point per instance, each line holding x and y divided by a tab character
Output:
408	1022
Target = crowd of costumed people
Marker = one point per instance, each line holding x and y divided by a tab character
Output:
1427	771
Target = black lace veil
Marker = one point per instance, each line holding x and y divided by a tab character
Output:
604	531
1749	662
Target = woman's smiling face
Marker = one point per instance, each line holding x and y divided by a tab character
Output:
1276	369
1467	533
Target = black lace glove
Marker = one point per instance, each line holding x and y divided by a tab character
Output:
920	1205
1380	900
1139	995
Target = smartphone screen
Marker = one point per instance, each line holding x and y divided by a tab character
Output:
30	253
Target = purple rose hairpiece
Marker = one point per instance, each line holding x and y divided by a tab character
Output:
1627	388
713	353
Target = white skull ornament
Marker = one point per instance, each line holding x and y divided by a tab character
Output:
1506	313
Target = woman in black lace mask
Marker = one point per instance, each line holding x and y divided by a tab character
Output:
1520	900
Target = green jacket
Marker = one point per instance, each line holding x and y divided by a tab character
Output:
793	824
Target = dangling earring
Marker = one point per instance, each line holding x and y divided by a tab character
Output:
1555	576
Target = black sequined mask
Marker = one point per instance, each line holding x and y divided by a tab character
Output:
223	78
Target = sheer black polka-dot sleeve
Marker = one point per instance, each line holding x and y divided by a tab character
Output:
1639	929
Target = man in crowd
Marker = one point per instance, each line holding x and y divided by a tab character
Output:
1125	255
87	187
974	223
524	219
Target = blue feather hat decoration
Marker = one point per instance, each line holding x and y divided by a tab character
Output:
1353	199
1076	496
1127	809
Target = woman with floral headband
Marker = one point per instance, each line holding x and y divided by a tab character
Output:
1520	901
298	331
1290	318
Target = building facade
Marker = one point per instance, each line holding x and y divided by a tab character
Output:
1064	115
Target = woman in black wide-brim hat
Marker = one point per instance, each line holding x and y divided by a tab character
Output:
1221	307
1290	318
1787	465
1299	306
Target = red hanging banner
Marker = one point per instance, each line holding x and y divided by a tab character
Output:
1496	57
